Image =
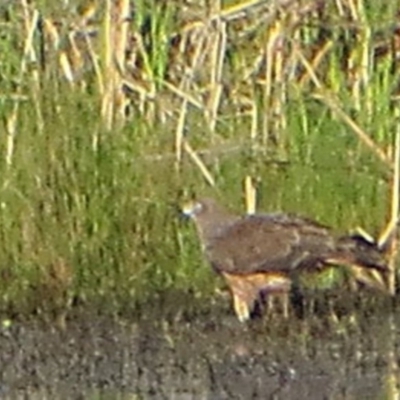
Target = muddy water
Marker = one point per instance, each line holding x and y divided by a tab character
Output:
206	356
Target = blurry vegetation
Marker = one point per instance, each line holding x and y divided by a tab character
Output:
113	110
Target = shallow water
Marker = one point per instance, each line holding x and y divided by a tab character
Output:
207	356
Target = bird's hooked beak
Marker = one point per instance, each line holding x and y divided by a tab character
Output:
191	208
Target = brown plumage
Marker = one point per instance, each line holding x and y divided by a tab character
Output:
262	253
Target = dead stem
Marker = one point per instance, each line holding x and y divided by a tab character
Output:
388	237
31	22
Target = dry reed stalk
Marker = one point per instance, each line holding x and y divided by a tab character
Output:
107	98
363	233
254	121
235	11
66	57
96	65
66	68
185	85
316	61
340	8
388	237
250	194
273	91
328	99
279	98
138	88
189	97
51	32
197	160
272	35
359	59
147	90
360	133
31	22
33	60
267	11
228	14
354	7
179	133
218	51
115	43
71	60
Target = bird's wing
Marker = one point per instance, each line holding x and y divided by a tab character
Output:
275	242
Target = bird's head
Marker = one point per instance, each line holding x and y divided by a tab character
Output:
210	218
194	208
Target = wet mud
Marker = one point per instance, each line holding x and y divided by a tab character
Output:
203	356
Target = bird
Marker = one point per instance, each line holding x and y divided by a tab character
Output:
262	254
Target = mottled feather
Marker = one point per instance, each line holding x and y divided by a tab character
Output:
275	242
262	254
262	243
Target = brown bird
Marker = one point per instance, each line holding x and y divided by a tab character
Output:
264	253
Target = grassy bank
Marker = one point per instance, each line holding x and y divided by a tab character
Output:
96	155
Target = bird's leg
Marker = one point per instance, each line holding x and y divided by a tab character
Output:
270	304
285	305
241	308
270	300
244	296
273	287
244	300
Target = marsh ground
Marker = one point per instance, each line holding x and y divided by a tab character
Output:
207	355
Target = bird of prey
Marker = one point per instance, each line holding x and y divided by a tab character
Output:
264	253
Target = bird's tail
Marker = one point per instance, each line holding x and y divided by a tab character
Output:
365	259
357	250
